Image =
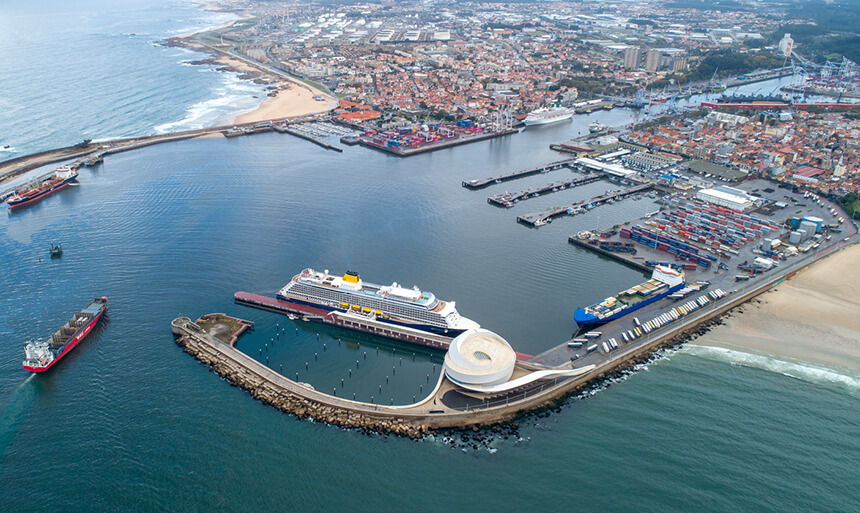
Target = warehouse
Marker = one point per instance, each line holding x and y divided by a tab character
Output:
727	197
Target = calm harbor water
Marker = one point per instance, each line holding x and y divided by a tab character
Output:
130	422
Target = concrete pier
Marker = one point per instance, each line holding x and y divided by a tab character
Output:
301	135
552	166
541	218
508	199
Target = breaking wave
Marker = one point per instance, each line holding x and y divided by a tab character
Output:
794	369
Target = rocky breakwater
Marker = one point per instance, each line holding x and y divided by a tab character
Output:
286	395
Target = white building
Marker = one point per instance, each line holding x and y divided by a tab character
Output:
786	45
728	197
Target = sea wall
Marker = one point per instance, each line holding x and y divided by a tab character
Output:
302	405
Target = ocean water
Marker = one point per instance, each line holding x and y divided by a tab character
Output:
93	70
130	422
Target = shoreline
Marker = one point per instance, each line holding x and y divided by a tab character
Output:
287	96
811	318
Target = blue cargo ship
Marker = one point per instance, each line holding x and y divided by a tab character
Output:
663	282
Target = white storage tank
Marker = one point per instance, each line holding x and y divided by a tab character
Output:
817	221
794	237
809	226
766	245
803	234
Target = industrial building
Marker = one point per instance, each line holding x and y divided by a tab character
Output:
728	197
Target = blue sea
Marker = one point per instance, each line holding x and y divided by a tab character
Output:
128	422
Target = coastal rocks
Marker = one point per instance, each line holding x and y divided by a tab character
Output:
288	402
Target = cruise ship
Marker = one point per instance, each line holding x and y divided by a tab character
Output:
664	281
545	115
349	297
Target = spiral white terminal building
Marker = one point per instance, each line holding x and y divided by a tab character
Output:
482	361
479	357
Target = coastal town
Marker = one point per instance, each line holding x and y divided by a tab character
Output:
413	78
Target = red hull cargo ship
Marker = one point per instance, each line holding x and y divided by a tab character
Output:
42	187
42	355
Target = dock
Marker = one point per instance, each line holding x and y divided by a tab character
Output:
507	199
401	151
552	166
363	324
308	137
639	266
541	218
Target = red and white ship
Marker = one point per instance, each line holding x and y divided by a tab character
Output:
43	186
41	355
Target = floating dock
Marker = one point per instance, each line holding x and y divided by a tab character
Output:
541	218
508	199
552	166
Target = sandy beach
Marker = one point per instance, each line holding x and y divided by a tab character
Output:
814	317
288	97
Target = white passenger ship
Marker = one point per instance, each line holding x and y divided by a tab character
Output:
391	304
545	116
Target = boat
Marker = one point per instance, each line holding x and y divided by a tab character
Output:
56	251
40	356
43	186
7	147
596	127
664	281
348	296
546	115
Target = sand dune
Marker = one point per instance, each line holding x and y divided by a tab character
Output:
813	317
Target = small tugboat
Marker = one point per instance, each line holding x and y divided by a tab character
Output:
56	251
596	127
40	356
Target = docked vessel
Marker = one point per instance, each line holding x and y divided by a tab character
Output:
43	186
596	127
40	356
545	116
350	298
663	282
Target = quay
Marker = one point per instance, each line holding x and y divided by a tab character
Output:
401	151
310	138
541	218
507	199
618	257
552	166
366	325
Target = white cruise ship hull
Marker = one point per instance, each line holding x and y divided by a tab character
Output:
547	120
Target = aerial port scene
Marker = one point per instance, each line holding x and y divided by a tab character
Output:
316	256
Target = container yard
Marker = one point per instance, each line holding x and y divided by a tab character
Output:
413	140
727	255
705	239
